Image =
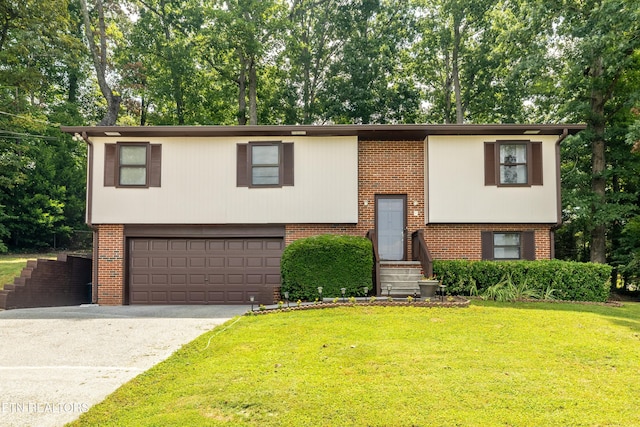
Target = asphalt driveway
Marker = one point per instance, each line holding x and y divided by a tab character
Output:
56	362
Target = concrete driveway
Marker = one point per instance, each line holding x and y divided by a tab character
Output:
57	362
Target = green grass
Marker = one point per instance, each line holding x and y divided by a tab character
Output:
12	265
536	364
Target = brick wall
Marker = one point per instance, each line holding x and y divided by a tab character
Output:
110	264
462	241
50	283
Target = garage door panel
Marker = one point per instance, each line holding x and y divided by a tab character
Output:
178	279
235	245
159	245
255	261
197	245
235	262
217	262
159	279
216	279
274	245
203	271
197	262
255	279
159	262
178	262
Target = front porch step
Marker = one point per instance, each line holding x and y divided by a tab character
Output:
402	280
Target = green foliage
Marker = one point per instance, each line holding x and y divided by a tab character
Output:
330	261
508	280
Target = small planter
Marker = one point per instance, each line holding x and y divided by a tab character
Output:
428	288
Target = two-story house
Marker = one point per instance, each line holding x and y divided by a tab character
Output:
201	214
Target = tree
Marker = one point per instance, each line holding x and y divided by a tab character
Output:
600	41
96	37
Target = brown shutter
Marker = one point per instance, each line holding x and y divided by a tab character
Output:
242	173
528	245
490	169
536	163
287	163
155	165
486	239
110	166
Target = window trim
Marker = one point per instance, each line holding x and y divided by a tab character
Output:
119	164
244	166
527	245
112	164
492	163
500	164
250	164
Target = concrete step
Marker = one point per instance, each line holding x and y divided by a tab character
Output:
402	280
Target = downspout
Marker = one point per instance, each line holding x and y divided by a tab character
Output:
94	256
558	224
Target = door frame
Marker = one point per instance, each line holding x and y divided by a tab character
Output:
404	219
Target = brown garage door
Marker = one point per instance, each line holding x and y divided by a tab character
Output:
203	271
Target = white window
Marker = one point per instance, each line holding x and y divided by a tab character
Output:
513	164
506	246
133	165
265	164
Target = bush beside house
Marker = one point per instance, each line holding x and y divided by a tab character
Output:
330	261
569	280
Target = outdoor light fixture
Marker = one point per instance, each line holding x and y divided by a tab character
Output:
252	299
286	298
366	291
389	290
344	291
320	293
441	286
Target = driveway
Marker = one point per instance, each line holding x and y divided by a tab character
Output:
56	362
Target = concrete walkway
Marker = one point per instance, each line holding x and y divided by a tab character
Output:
57	362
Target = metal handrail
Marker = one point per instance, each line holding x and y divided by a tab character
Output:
421	252
371	235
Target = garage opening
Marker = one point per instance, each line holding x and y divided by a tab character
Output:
203	271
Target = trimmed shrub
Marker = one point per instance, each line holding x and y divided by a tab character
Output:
330	261
570	280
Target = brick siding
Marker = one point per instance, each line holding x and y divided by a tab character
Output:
110	264
462	241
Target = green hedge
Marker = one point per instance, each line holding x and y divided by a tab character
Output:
330	261
571	280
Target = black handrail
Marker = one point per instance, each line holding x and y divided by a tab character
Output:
371	235
421	252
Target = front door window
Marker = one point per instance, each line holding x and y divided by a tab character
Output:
390	226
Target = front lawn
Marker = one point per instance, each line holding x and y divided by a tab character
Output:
525	364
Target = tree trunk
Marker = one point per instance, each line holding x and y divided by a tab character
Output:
596	125
242	91
456	70
99	56
253	93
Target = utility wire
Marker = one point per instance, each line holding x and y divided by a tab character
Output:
26	118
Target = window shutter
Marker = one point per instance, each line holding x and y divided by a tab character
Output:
490	169
536	163
110	166
486	239
242	171
287	163
528	245
155	165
